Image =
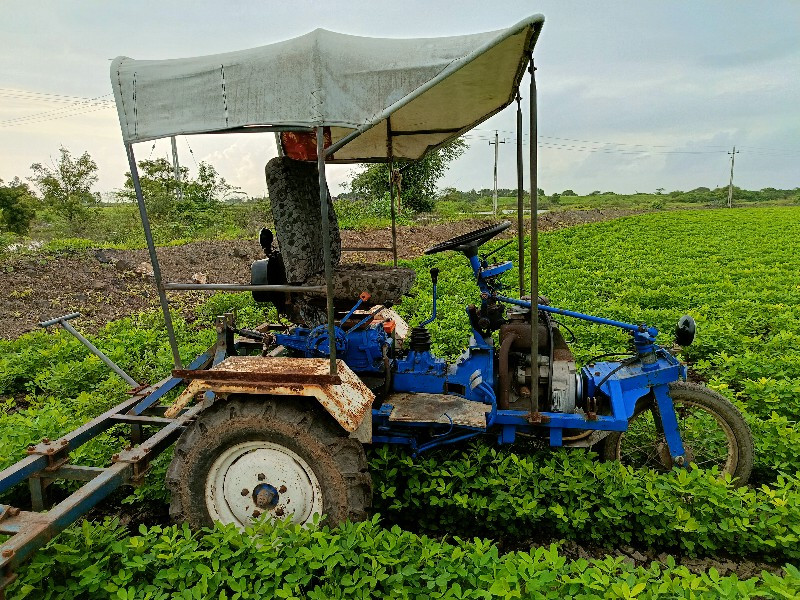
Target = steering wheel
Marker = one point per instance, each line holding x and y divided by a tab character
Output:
468	243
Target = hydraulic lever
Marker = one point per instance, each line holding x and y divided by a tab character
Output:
434	279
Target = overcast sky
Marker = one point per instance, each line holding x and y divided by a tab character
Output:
633	96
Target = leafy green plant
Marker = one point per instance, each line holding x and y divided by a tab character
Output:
355	560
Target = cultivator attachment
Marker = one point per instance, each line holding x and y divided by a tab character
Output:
48	461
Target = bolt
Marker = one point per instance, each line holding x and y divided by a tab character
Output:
128	448
45	440
31	448
51	450
135	457
245	492
256	514
64	442
115	457
282	489
279	511
597	373
261	477
679	460
13	511
8	553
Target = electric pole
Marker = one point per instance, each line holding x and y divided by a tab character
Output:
177	167
496	143
730	185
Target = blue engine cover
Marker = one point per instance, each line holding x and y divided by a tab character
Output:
362	349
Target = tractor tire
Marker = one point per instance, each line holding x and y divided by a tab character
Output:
284	456
719	431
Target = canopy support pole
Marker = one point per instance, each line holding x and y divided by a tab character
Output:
534	246
520	201
151	247
326	245
390	155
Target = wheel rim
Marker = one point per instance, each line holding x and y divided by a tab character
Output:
708	440
258	477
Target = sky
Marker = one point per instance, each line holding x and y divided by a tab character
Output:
632	95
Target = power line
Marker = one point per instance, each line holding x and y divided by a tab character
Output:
42	96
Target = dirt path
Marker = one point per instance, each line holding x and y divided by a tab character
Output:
105	285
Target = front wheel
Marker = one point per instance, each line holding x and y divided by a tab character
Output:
713	431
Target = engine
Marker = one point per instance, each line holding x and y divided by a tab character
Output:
557	377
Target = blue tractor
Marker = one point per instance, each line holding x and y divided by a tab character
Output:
274	421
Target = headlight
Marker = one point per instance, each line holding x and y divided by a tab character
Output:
685	330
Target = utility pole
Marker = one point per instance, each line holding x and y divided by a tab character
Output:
496	143
730	185
177	167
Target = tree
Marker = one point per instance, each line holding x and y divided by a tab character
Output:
66	186
17	207
568	193
159	186
418	184
160	189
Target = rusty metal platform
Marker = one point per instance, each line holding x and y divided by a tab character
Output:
437	408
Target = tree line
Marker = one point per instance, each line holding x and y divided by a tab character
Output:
66	188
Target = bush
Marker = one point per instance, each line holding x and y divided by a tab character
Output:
355	560
486	491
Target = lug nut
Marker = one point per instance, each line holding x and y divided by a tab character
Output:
282	489
261	477
279	512
245	492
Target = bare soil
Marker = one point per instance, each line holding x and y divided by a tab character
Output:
104	285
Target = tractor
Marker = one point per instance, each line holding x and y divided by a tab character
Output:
273	421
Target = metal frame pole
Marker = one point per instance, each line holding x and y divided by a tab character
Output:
390	155
151	247
326	244
176	166
533	157
99	354
520	201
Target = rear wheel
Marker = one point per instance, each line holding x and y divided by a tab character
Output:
283	457
713	431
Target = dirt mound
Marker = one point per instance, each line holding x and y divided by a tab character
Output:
105	285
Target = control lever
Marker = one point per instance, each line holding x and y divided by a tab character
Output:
434	279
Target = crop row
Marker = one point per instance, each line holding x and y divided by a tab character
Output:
565	494
355	560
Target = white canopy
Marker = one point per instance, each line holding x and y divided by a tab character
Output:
425	91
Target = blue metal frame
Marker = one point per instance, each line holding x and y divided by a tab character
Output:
624	384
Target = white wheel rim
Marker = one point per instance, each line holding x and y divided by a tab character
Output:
253	478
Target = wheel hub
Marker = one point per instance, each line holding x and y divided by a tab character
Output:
252	478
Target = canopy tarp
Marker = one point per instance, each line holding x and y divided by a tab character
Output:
431	89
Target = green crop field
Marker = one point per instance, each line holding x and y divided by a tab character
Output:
445	521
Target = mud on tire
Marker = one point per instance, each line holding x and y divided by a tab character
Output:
294	423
